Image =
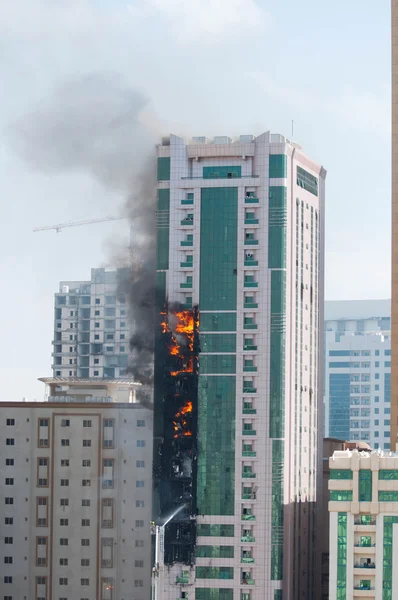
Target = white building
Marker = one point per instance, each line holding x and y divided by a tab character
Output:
357	371
240	239
363	525
91	328
75	497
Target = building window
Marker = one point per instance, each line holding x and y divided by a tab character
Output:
139	504
63	581
64	522
139	563
64	482
85	581
9	481
10	442
139	523
8	560
65	423
86	443
141	423
63	562
9	521
87	423
42	482
139	543
86	482
140	464
9	462
65	462
86	502
96	373
7	579
85	522
140	443
86	463
138	583
9	500
64	502
85	562
139	484
63	542
85	542
10	422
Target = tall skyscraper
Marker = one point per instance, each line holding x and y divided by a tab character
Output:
75	493
394	257
238	353
91	327
357	371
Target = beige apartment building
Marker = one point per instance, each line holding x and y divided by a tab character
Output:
363	508
75	498
394	239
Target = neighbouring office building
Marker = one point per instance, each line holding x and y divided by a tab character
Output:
237	393
91	327
363	511
75	496
357	371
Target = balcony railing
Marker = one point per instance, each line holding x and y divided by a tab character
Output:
249	347
250	369
371	566
187	201
248	581
251	263
247	453
247	538
251	243
363	545
187	243
249	411
247	559
248	432
250	284
248	475
249	390
250	305
187	285
251	221
248	517
186	222
251	200
182	579
186	264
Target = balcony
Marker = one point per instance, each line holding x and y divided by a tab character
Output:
249	432
186	286
187	201
249	411
184	579
250	284
250	242
249	453
251	263
250	369
251	200
249	475
251	221
186	222
249	390
187	243
248	581
250	305
247	538
184	265
364	593
249	347
250	326
246	517
247	560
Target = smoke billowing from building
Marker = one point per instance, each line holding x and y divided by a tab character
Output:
99	126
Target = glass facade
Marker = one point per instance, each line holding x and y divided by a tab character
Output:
388	555
163	231
278	166
365	485
214	594
215	530
215	551
341	556
214	572
222	172
277	215
163	169
307	181
339	405
277	510
341	474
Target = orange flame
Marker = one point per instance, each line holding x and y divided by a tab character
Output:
185	327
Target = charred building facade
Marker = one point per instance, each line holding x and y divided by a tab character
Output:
238	354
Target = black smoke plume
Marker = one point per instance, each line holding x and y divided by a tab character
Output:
99	125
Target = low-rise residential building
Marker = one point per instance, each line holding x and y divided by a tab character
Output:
363	509
75	498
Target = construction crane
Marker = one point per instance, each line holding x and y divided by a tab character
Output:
61	226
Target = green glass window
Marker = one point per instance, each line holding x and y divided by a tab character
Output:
385	496
221	342
215	551
278	595
340	474
277	354
277	215
214	572
163	169
365	485
217	322
210	364
214	594
307	181
343	495
215	530
222	172
278	165
341	556
388	474
163	221
277	510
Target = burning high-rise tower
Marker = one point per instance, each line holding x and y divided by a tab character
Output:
238	354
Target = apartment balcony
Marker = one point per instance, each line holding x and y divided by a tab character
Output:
249	390
363	593
246	517
182	580
251	200
251	243
248	581
250	325
187	201
250	284
249	432
185	265
250	305
363	548
364	570
251	221
247	560
249	411
186	222
187	243
247	538
249	453
249	369
249	475
249	347
186	286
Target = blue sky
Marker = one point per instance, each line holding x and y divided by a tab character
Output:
207	67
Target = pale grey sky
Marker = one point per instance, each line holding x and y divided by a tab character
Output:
208	67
